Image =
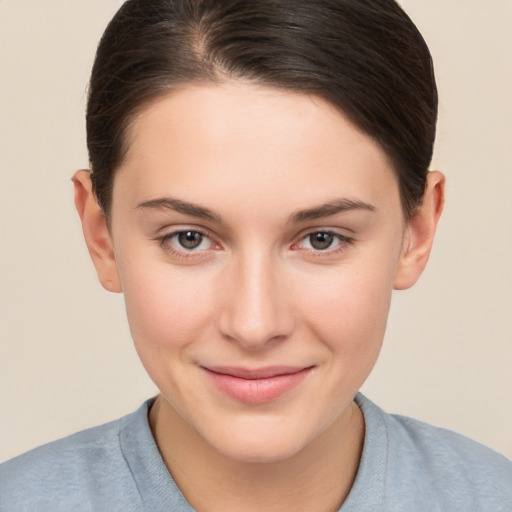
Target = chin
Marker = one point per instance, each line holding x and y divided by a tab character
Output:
259	441
260	452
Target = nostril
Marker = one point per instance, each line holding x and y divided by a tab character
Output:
255	338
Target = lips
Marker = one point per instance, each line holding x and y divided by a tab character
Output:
256	386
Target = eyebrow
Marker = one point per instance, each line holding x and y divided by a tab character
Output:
330	208
177	205
194	210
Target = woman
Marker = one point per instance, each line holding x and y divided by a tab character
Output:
259	185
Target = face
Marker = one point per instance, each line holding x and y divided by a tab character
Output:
257	236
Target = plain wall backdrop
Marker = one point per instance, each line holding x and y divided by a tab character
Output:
66	357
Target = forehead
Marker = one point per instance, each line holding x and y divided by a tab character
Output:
201	139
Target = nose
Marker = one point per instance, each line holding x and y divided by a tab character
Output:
256	310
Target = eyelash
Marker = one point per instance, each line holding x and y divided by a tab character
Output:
165	242
343	243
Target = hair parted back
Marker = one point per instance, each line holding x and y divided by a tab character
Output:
366	57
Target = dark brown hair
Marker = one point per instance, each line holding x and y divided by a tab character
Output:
366	57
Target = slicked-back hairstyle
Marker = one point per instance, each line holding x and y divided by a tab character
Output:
366	57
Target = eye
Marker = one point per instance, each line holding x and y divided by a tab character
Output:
326	241
187	241
321	241
190	239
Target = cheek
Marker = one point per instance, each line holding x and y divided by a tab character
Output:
166	310
348	308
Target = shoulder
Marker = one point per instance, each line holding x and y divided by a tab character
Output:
70	471
451	454
439	465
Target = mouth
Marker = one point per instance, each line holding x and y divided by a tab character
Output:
256	386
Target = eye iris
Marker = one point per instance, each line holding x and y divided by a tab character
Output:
321	241
190	239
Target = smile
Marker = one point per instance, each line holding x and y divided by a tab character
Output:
256	386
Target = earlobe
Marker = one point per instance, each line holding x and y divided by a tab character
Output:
420	232
96	232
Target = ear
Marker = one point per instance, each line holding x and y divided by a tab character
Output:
419	234
96	233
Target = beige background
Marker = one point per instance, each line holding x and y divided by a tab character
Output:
66	359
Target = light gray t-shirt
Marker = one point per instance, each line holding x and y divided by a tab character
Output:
406	466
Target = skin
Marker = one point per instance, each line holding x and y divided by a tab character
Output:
264	170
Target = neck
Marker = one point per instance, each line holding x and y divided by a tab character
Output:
318	478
